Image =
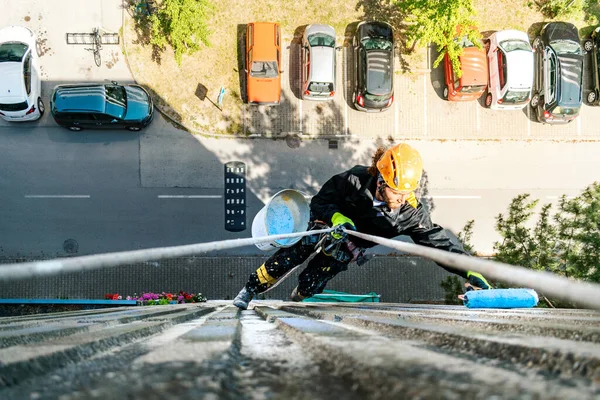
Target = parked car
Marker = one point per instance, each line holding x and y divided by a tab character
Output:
318	63
263	63
591	46
374	54
510	63
474	79
557	87
20	85
102	106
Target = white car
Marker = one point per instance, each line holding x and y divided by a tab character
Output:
510	63
318	63
20	86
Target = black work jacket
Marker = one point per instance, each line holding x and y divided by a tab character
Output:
351	193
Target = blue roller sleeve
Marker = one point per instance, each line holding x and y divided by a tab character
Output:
501	298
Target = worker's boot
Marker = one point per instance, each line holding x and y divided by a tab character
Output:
243	298
295	296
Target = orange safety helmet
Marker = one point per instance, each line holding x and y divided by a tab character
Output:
401	168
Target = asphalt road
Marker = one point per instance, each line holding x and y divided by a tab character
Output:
115	190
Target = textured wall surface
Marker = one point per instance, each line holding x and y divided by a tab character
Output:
396	279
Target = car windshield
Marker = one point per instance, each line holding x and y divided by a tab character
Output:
565	111
514	44
320	87
516	96
471	89
12	51
464	42
321	39
264	69
566	47
116	101
14	107
377	44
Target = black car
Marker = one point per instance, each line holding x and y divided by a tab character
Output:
591	45
102	105
374	55
558	74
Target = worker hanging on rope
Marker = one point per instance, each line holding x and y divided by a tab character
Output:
377	200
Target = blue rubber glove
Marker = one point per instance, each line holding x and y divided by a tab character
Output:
339	219
477	280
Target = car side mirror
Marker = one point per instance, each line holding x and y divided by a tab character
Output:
338	48
114	120
245	70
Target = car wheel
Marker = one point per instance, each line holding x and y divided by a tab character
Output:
488	100
535	100
133	128
588	45
75	128
446	93
591	97
41	107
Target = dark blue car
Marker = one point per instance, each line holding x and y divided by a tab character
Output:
101	106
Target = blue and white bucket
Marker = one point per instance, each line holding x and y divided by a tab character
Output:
286	212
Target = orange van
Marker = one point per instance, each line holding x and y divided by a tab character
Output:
263	63
474	79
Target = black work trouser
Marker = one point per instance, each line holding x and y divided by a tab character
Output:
320	270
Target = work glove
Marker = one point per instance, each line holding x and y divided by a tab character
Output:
339	219
477	280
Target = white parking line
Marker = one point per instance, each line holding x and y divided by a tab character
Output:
451	197
346	88
57	196
191	196
427	60
476	104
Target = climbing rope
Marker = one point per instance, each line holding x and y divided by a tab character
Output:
584	294
87	263
581	293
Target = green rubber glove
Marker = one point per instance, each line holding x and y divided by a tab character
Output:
476	279
340	219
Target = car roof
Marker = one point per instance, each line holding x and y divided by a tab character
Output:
322	64
571	70
379	71
264	41
12	86
80	98
519	65
473	64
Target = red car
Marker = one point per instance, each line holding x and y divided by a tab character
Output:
474	79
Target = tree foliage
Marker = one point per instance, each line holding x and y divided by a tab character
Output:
561	8
564	240
436	21
181	24
566	243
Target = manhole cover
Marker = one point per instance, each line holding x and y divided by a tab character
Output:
70	246
293	141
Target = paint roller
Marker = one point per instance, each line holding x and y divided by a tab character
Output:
501	298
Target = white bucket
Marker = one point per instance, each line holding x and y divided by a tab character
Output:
287	212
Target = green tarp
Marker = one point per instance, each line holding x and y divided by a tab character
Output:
331	296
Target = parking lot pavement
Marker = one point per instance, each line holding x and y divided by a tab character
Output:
60	62
419	111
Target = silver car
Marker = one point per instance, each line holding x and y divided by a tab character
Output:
318	63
